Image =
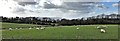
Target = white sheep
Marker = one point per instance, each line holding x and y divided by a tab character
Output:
77	28
16	28
10	29
20	28
102	30
30	28
98	27
105	26
37	28
101	27
42	28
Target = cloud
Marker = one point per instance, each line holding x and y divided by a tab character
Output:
115	5
50	5
101	6
24	0
81	0
17	10
74	6
84	7
61	0
111	0
50	9
67	9
72	0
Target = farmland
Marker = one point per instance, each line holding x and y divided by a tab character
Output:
58	32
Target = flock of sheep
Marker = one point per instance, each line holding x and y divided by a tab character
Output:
101	28
29	28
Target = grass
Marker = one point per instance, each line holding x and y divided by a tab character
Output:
59	32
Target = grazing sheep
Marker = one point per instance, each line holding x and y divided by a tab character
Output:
101	27
104	26
30	28
20	28
98	27
10	29
37	28
42	28
16	28
77	28
102	30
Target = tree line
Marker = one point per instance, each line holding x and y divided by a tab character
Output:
99	19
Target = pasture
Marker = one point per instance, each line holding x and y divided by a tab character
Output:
58	32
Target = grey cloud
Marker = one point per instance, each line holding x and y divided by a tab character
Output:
80	6
91	0
26	3
77	6
73	0
81	0
101	6
67	9
49	6
24	0
18	10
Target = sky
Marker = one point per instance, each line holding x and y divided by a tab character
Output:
70	9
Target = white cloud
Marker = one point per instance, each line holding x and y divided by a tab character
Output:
24	0
111	0
101	6
115	5
73	0
115	12
66	9
81	0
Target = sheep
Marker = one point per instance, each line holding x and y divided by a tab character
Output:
10	29
16	28
30	28
20	28
104	26
98	27
77	28
37	28
102	30
42	28
101	27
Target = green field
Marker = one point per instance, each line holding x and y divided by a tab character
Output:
58	32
